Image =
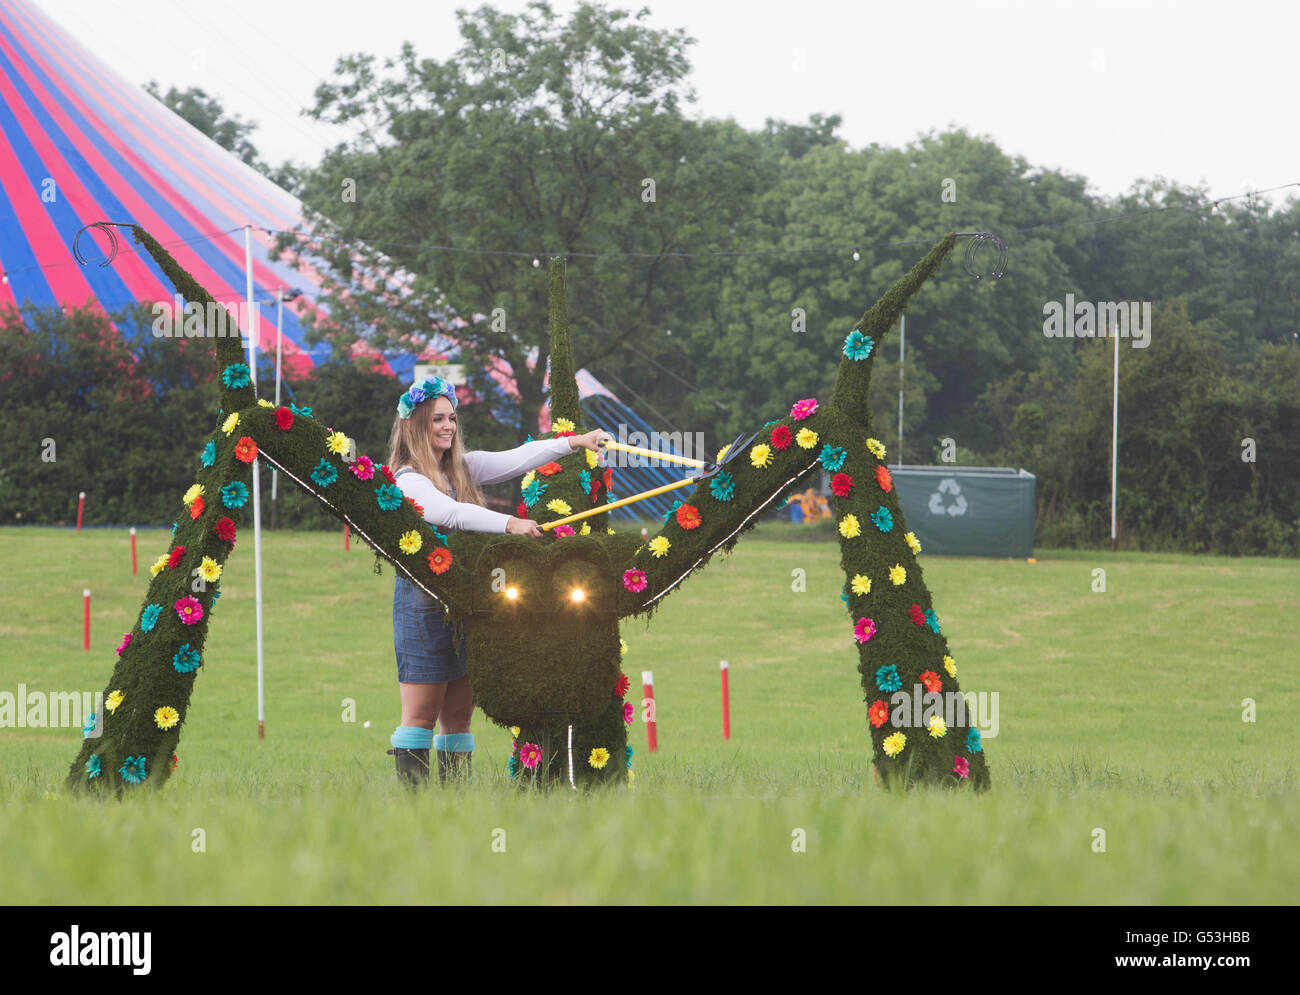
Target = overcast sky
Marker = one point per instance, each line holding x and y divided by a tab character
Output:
1195	91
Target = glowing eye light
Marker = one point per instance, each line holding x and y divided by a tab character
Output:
512	593
577	594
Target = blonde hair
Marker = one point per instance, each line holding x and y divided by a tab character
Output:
411	444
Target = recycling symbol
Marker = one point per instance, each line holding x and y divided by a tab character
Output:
938	505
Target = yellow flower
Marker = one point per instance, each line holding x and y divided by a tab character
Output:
562	425
529	477
337	443
806	438
938	727
166	717
761	455
877	450
894	744
622	646
950	665
410	542
721	453
849	527
631	776
514	731
159	565
559	507
229	425
860	584
113	700
210	569
659	545
897	575
585	530
263	402
609	532
599	757
592	459
913	543
196	490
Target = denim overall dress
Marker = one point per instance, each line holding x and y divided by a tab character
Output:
422	638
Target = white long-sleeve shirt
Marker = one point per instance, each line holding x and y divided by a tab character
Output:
485	468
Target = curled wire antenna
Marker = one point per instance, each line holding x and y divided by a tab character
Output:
113	244
978	238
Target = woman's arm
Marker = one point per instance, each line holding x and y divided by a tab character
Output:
492	468
439	509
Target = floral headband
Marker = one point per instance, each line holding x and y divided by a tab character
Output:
422	391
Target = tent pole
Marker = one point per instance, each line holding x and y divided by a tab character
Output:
257	492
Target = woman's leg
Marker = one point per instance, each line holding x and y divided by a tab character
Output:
457	706
421	704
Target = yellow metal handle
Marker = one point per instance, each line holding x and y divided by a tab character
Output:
578	516
667	457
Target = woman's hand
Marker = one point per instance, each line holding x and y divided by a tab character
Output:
523	527
589	441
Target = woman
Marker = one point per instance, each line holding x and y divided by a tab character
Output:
433	470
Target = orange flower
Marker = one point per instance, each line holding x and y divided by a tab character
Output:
884	478
196	507
440	560
416	505
688	517
879	713
550	469
931	681
245	450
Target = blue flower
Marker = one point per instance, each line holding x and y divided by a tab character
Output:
844	594
149	617
533	492
676	504
132	770
234	494
887	678
858	346
415	395
833	458
92	767
389	497
209	454
609	496
438	535
89	727
512	766
185	659
629	757
174	528
932	620
216	593
235	375
305	412
325	473
723	486
973	741
882	519
584	478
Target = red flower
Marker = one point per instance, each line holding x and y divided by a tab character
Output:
609	478
522	510
917	616
388	473
245	450
175	558
175	761
879	713
283	419
415	504
841	485
931	681
196	507
623	684
884	479
440	560
561	435
688	517
782	437
549	469
225	529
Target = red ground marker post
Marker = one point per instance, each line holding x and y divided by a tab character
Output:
347	537
85	626
81	505
133	562
648	709
726	704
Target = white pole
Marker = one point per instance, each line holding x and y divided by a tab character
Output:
279	315
1114	444
902	340
257	496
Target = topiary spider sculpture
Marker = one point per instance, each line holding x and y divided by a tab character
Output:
541	619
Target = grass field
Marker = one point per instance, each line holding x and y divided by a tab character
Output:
1118	711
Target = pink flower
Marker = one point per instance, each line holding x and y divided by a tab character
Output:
530	755
864	630
802	409
364	468
961	767
634	580
564	530
628	712
126	641
189	610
